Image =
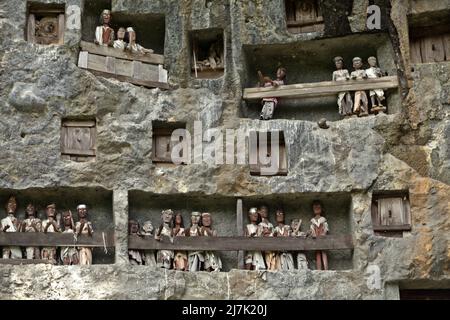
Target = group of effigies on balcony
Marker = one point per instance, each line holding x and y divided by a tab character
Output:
54	223
126	38
173	226
348	106
260	226
201	226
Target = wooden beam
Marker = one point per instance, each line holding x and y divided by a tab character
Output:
242	243
319	89
379	228
304	23
24	261
31	239
78	152
117	53
144	83
31	28
61	28
74	123
240	230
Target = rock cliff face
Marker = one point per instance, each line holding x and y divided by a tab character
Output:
408	149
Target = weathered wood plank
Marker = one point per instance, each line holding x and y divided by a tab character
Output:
162	74
446	40
110	64
242	243
74	123
22	239
31	28
83	59
78	152
17	262
307	90
405	227
432	49
61	28
148	84
123	71
111	52
46	10
304	23
137	70
391	211
416	55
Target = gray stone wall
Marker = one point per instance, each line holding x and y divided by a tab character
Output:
407	149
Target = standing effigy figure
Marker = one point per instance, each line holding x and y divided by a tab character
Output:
133	46
254	260
164	258
319	228
84	226
104	34
376	96
180	262
361	106
134	256
11	224
212	260
120	42
148	255
69	255
31	224
196	259
50	225
302	262
284	260
270	104
344	99
266	230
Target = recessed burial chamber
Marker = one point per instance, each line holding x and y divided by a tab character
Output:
429	35
45	23
98	201
337	211
150	28
207	53
312	62
145	206
303	16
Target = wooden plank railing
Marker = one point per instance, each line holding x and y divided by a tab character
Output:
32	239
24	261
319	89
242	243
112	52
142	70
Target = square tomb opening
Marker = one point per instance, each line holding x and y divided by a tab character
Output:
207	53
162	143
391	213
98	201
150	28
299	206
311	62
144	206
257	150
78	140
429	35
304	16
45	23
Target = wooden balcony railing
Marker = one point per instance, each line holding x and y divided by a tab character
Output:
320	89
144	70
